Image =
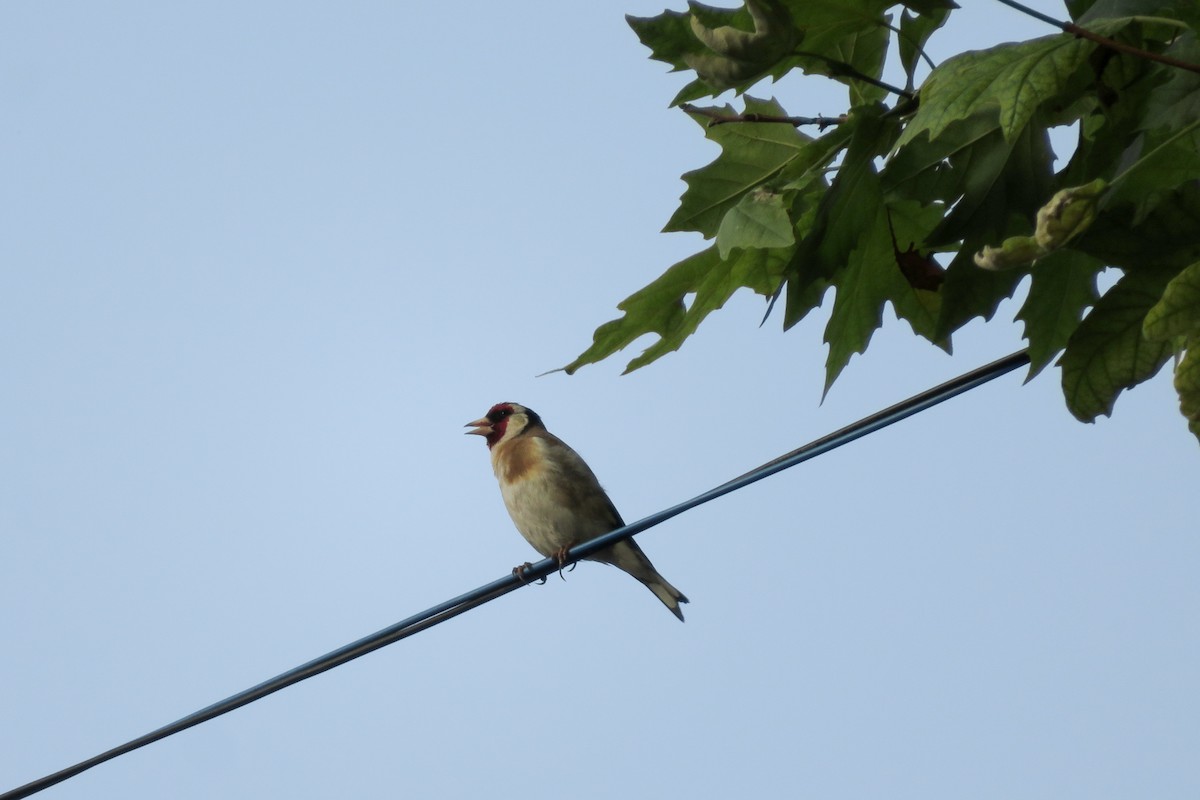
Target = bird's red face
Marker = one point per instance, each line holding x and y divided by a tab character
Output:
494	426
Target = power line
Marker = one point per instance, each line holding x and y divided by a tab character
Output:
488	592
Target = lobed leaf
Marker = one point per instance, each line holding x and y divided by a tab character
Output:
862	290
668	36
731	55
1107	353
871	278
1011	79
759	220
751	154
660	308
1177	313
1064	284
856	195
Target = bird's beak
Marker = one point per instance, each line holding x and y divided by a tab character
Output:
483	427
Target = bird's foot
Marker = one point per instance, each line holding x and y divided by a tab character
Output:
560	556
519	573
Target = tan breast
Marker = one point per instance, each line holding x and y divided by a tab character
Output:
517	459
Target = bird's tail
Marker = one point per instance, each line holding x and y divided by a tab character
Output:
664	591
629	557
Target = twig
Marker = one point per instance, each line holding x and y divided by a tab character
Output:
1103	41
844	70
718	118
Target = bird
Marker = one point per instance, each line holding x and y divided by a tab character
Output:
554	498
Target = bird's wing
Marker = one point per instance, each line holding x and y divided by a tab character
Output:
579	488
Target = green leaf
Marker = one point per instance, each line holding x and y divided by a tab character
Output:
803	294
660	308
835	225
1064	284
856	193
1178	312
1000	179
1187	383
846	215
872	277
727	48
1013	79
668	35
801	298
970	292
812	167
1108	353
938	170
751	154
733	56
693	91
862	289
732	38
826	23
915	30
759	220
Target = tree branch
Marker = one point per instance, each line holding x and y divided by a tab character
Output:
1103	41
718	118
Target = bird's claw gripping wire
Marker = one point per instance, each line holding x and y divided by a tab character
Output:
561	557
519	574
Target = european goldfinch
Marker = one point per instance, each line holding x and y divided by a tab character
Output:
554	498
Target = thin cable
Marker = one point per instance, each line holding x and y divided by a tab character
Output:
488	592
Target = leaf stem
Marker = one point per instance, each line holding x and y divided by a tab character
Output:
719	118
920	50
1103	41
841	68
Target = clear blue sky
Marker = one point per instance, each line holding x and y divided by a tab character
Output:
258	265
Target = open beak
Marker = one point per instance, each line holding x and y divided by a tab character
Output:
483	427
